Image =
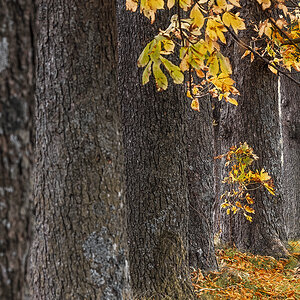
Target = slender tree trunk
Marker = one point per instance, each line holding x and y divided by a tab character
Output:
80	247
155	155
200	174
256	121
290	107
16	104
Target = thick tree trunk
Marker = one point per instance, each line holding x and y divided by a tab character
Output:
256	121
200	174
155	155
80	248
290	107
16	104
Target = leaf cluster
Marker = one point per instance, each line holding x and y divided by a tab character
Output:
242	180
195	36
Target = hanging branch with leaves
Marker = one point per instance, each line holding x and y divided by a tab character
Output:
199	29
242	180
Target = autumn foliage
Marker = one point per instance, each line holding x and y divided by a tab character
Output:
242	180
189	49
248	276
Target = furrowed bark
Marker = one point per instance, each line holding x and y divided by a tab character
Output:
156	161
200	174
16	109
290	107
80	248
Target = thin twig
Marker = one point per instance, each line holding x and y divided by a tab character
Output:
286	36
242	44
179	20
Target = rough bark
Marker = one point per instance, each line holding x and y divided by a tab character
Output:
155	156
290	107
256	121
200	175
80	248
16	104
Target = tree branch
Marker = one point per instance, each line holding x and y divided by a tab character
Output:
242	44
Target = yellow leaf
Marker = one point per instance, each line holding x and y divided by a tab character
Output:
228	211
270	189
231	100
195	105
196	15
132	5
249	209
156	4
238	204
264	176
185	4
184	65
230	19
213	65
222	4
224	64
247	52
264	3
215	29
234	209
170	3
249	199
200	73
273	70
235	2
248	217
169	45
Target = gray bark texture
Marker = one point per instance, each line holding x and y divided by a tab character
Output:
80	248
156	161
16	109
256	121
290	109
200	175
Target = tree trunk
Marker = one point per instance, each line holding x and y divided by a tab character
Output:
80	248
16	104
155	156
290	107
256	121
200	174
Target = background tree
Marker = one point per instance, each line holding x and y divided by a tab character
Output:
16	104
79	250
290	106
255	120
156	162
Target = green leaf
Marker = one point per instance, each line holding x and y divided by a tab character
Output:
155	54
144	57
182	52
160	78
147	73
173	70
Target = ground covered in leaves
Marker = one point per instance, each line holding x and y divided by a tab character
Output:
248	276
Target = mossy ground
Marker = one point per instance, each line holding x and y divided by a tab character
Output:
248	276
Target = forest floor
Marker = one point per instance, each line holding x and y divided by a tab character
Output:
248	276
